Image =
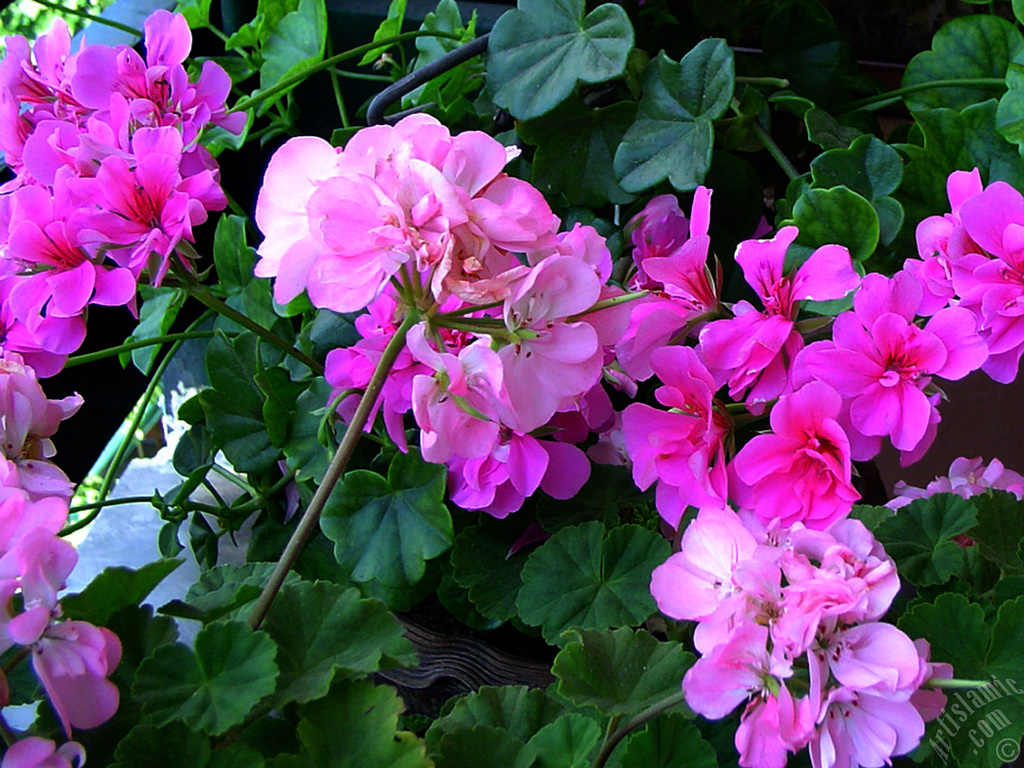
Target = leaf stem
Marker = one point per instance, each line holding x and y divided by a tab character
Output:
290	82
883	99
218	306
769	143
614	301
128	346
89	17
623	730
353	432
953	683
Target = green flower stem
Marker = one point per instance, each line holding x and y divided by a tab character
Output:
953	684
470	309
128	346
336	87
623	730
218	306
311	517
769	143
883	99
777	82
89	17
606	304
290	82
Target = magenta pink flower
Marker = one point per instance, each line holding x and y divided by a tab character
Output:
34	752
684	448
753	351
801	472
883	363
967	477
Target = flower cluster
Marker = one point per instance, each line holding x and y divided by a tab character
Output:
411	216
789	627
72	659
110	176
966	478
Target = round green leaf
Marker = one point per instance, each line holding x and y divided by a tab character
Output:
174	746
955	628
482	564
483	746
538	52
385	529
582	578
673	133
212	687
619	672
836	215
972	46
869	167
668	741
568	742
514	709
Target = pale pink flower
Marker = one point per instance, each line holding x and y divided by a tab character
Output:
858	728
34	752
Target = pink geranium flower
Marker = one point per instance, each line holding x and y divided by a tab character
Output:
754	350
34	752
802	471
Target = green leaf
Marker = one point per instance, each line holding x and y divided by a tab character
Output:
159	308
482	564
608	496
483	746
869	167
582	577
1010	112
619	672
324	630
196	12
212	687
234	404
236	755
1000	529
827	132
519	711
116	587
576	147
281	401
972	46
385	529
955	628
356	726
174	746
223	590
954	141
295	44
801	43
837	215
391	26
919	537
568	742
235	262
673	133
667	741
304	454
539	52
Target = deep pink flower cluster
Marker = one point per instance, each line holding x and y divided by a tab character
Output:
789	627
72	659
110	176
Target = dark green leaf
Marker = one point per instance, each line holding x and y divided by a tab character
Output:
303	451
540	51
672	136
196	12
1000	529
568	742
235	261
212	687
234	405
356	726
1010	113
609	496
668	741
323	630
836	215
802	44
116	587
483	746
827	132
968	47
159	308
619	672
282	401
195	449
482	564
385	529
955	628
576	148
222	590
582	577
869	167
519	711
173	746
919	537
